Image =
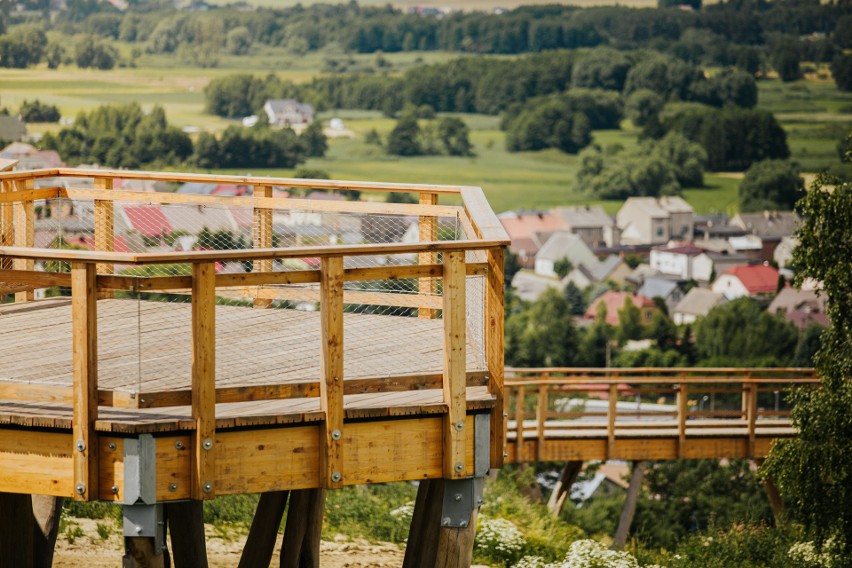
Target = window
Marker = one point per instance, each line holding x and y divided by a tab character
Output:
659	231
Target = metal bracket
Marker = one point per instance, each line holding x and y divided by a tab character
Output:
140	470
145	521
481	444
461	497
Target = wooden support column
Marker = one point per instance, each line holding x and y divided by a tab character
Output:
751	417
203	379
520	395
46	512
494	346
682	411
262	238
300	548
104	225
139	553
428	232
16	530
85	396
24	234
331	387
455	364
186	531
540	418
562	489
629	509
611	415
263	534
7	226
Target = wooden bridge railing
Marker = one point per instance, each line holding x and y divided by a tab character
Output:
551	403
95	274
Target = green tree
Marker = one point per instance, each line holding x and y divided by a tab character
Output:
37	111
808	346
785	60
593	345
404	139
455	136
629	321
813	471
92	51
643	109
771	184
841	70
238	41
543	334
663	331
562	267
575	299
314	140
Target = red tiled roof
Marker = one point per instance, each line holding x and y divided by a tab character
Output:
689	250
119	244
525	224
615	301
149	220
757	278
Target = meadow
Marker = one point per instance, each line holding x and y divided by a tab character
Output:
813	112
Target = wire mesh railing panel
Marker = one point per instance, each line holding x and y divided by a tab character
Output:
36	345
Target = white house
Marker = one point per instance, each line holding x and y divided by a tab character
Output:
751	280
654	221
697	303
288	112
563	244
687	262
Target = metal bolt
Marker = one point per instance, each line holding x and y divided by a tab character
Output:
179	445
463	524
207	444
114	489
111	446
81	489
207	487
445	522
457	496
138	529
505	415
336	477
459	425
505	455
335	434
459	467
81	445
479	502
172	487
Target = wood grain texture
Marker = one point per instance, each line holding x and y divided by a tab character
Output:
331	385
455	345
85	393
203	378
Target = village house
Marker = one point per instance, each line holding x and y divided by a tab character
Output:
696	304
592	224
801	307
769	226
784	251
528	231
614	301
12	128
756	280
31	158
654	221
288	112
563	245
687	262
667	289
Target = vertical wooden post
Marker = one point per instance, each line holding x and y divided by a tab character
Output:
540	417
520	395
611	415
24	234
139	553
331	387
260	543
562	489
104	224
629	509
494	299
744	407
262	238
428	232
7	226
300	546
203	379
85	396
455	361
752	418
682	410
46	512
16	530
186	529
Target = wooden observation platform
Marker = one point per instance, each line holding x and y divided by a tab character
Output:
164	348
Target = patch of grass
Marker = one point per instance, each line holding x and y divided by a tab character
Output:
374	512
103	531
720	195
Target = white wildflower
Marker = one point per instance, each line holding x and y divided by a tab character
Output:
499	538
404	513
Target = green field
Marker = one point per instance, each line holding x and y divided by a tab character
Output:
465	5
813	112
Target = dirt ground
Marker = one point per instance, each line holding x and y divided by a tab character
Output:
91	550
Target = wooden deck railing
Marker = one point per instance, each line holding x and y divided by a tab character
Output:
93	275
552	402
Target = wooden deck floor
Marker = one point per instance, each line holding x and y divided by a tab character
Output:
146	346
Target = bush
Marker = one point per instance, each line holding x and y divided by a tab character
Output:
37	111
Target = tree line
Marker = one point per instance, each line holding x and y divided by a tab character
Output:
128	137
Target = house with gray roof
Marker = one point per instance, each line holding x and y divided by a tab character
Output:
696	304
563	245
288	112
669	289
654	221
592	224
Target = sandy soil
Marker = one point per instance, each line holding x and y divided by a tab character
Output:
92	551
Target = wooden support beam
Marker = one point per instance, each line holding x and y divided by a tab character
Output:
331	385
562	489
682	401
46	513
260	544
7	225
262	238
751	418
104	223
300	547
139	553
520	395
428	232
85	395
16	530
629	509
540	418
203	379
24	234
455	361
611	415
455	545
494	347
185	521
